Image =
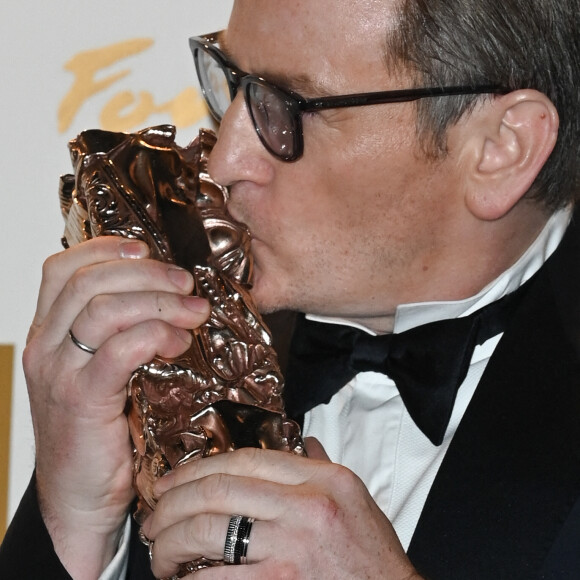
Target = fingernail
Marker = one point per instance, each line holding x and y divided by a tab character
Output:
164	483
180	277
133	249
184	335
195	304
146	527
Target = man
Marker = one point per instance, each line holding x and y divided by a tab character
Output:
392	216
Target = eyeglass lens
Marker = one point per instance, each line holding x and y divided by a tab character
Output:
273	115
214	83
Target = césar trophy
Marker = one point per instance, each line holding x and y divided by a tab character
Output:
224	393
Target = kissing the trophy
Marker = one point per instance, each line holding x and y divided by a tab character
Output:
225	391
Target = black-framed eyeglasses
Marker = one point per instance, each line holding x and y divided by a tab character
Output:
277	113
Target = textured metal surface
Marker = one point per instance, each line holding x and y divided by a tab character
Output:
225	391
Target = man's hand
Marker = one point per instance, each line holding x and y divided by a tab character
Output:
129	308
313	519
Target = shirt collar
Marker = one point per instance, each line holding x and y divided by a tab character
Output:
415	314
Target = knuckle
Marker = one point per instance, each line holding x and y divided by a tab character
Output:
159	518
54	272
30	357
322	509
325	507
286	570
38	362
161	302
247	458
247	453
195	534
81	282
200	535
51	267
98	308
151	335
214	488
345	481
167	335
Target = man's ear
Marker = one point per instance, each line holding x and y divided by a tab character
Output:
512	139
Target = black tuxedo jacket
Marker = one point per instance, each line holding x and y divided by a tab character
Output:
505	503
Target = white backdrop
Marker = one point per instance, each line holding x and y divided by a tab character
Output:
68	65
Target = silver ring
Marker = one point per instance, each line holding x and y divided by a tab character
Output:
80	344
237	540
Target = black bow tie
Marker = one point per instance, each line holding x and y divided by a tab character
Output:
427	363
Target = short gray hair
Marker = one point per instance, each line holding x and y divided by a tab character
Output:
516	44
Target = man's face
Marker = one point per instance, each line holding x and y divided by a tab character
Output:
356	226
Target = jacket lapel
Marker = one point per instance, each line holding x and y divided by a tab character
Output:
512	472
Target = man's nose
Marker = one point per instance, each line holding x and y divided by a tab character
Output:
239	154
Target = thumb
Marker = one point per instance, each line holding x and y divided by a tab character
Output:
315	450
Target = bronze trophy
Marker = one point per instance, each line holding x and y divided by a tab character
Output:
225	391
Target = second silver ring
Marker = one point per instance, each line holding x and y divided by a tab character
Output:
238	539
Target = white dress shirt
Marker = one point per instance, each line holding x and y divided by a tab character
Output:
366	427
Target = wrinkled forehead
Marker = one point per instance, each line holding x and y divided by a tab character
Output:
325	39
